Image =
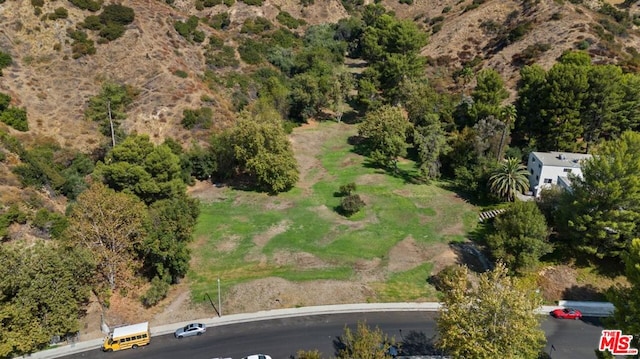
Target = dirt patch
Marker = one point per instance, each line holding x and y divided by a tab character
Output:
263	238
371	179
554	281
277	293
406	255
228	244
302	260
207	192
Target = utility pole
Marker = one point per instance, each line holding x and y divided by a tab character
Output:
113	137
219	301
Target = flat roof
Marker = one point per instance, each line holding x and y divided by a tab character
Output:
561	159
130	329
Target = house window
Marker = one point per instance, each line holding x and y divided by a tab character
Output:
568	170
533	159
540	165
547	180
537	178
531	171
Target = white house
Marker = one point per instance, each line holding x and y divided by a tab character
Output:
552	168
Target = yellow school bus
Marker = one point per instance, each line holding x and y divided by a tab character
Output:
130	336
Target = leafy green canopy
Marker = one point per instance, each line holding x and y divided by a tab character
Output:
509	179
257	147
42	290
139	167
603	210
385	133
519	236
493	318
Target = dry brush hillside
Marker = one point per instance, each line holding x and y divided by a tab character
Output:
55	88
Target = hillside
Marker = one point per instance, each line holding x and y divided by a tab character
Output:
55	88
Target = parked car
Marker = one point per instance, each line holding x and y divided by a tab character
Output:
567	313
190	330
257	356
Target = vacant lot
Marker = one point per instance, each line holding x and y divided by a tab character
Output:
294	249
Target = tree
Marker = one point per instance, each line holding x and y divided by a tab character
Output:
364	343
385	132
509	179
519	236
257	147
603	210
169	231
139	167
42	290
488	94
493	318
109	108
602	106
110	225
626	299
428	111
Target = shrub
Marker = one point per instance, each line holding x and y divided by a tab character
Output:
16	118
112	31
289	21
446	9
5	61
5	100
408	2
251	51
215	42
256	26
181	74
229	3
556	16
200	118
583	45
530	54
347	189
37	3
90	5
220	21
157	292
59	13
81	45
92	22
519	31
210	3
118	14
253	2
351	205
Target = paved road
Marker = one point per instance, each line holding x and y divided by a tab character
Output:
281	338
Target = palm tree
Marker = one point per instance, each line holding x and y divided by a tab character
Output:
509	178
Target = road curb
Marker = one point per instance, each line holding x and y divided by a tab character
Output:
95	344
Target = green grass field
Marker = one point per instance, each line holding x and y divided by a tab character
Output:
235	235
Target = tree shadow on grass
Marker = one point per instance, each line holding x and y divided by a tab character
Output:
471	256
468	196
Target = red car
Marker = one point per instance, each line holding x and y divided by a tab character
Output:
567	313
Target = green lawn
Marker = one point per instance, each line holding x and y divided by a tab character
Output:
234	234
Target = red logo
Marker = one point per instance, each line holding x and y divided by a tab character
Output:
616	343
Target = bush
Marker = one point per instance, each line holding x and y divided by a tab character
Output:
220	21
5	100
59	13
226	57
253	2
408	2
16	118
210	3
347	189
201	118
5	60
215	42
157	292
118	14
112	31
37	3
181	74
251	51
351	205
90	5
289	21
92	22
256	26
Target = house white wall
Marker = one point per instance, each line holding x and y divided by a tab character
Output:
547	169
